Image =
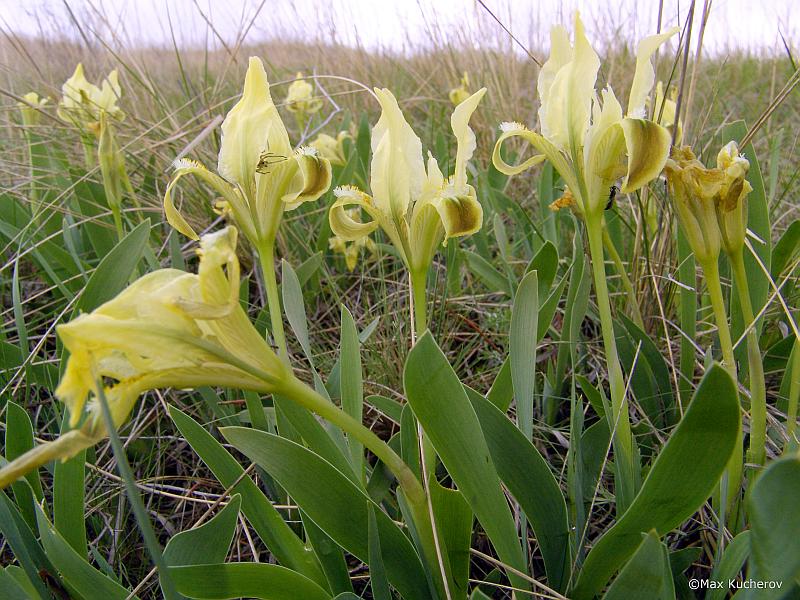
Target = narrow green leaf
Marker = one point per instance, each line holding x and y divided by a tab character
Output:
74	568
282	542
295	308
26	549
19	314
390	408
309	267
337	505
502	391
379	584
524	325
454	520
330	555
442	407
19	439
529	479
494	279
647	574
671	493
729	567
350	384
775	525
208	543
114	271
788	245
545	263
69	514
250	580
547	310
11	589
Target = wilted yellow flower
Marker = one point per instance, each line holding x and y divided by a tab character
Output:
332	148
731	203
461	93
168	329
415	207
665	109
567	200
29	108
694	190
82	102
588	141
352	250
260	175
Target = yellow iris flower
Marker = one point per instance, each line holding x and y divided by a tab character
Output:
29	108
417	208
588	141
260	175
83	103
300	97
332	148
461	93
167	329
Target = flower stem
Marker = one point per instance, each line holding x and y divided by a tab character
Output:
310	399
733	471
412	489
420	302
621	426
758	389
711	271
266	256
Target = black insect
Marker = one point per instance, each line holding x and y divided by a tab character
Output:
267	160
612	193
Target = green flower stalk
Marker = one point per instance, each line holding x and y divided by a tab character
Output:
592	145
694	190
112	168
413	203
731	209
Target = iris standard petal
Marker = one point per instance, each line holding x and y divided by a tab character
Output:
397	171
569	102
645	75
251	131
465	137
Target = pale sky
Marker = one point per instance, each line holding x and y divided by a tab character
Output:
399	25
